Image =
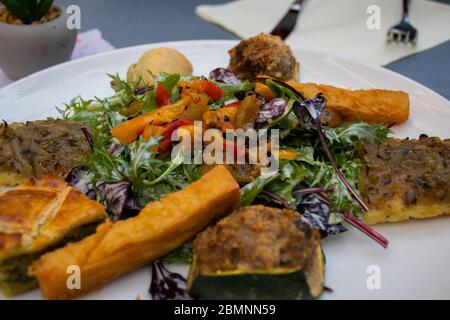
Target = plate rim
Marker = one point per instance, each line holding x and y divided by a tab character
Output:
118	51
373	68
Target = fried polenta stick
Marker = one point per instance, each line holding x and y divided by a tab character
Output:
372	106
127	245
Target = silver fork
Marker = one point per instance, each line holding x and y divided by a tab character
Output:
404	31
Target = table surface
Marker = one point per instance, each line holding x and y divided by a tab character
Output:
127	23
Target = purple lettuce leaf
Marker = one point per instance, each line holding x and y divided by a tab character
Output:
79	178
313	210
119	200
274	197
317	213
143	90
223	75
347	216
167	285
315	108
272	109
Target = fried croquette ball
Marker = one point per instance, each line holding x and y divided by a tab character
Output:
263	55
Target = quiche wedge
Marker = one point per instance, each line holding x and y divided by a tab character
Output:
406	179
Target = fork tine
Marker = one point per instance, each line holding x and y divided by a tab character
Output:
389	36
403	32
407	37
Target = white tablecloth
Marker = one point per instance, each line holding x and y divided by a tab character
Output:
337	27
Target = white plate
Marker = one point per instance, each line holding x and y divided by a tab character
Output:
415	266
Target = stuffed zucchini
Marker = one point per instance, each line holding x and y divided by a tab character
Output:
258	253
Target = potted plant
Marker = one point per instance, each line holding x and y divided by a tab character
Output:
33	36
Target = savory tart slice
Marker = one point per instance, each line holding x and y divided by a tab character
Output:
258	253
406	179
37	217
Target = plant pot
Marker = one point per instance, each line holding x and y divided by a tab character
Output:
25	49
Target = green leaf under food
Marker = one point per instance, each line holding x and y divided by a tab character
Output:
318	171
281	91
229	91
181	255
273	122
353	133
235	87
251	190
174	163
291	174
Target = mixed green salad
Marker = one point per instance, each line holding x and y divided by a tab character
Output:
131	165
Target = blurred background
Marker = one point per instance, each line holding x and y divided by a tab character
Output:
127	23
132	22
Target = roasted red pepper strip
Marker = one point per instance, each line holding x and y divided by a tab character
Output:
233	104
169	129
140	132
162	96
212	90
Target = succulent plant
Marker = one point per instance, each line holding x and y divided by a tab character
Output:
28	10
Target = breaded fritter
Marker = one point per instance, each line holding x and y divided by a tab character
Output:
263	55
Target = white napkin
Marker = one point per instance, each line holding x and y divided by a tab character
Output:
88	43
337	27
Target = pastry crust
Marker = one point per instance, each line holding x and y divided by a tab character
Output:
40	213
160	227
